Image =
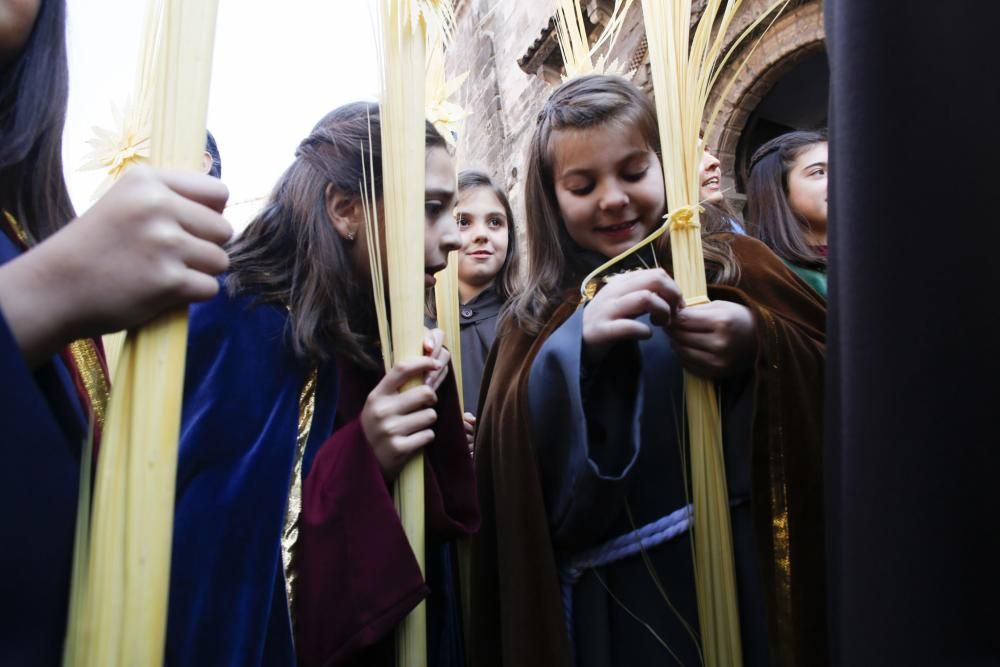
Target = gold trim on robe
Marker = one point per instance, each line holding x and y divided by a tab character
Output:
290	535
780	536
95	382
19	231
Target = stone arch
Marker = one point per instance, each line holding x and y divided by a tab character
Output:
795	35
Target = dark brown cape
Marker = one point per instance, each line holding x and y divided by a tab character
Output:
518	618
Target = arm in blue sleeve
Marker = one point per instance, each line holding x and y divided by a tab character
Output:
38	497
585	426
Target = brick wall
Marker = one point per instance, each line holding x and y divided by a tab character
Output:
504	100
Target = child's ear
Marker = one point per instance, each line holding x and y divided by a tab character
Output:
344	211
206	162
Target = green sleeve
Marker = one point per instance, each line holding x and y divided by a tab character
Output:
813	277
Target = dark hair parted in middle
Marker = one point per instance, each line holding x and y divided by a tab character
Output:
292	256
769	215
554	266
507	280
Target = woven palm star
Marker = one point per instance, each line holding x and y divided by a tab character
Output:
115	150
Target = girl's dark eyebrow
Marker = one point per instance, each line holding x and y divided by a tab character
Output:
575	172
439	194
584	172
488	214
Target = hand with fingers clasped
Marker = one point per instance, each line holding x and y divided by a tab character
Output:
435	349
610	318
469	420
714	340
398	424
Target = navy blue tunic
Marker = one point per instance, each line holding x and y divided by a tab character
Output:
610	453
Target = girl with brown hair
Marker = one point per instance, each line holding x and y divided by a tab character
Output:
488	268
292	435
584	555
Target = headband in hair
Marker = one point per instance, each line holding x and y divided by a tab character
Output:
761	154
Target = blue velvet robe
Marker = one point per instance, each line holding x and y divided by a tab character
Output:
240	418
42	427
228	604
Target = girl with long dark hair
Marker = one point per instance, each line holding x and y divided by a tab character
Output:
292	435
786	202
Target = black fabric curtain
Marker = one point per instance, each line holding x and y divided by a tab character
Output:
913	439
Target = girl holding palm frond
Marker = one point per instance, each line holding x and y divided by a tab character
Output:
584	556
150	244
292	433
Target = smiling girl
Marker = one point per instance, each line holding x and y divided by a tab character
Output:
487	271
710	179
786	202
584	556
710	194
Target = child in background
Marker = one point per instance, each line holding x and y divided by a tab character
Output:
711	197
786	202
487	272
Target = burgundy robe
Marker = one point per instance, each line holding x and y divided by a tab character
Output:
357	576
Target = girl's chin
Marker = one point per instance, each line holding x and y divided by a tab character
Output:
477	272
614	247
